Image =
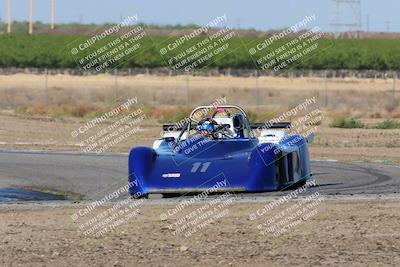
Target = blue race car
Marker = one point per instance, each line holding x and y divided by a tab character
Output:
216	147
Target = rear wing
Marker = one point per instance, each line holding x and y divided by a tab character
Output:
269	125
175	127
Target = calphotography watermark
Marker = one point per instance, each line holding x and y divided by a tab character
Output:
286	48
298	129
197	213
289	211
283	34
106	116
201	47
111	128
292	113
191	144
106	214
110	47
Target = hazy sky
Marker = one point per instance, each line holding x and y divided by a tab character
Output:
257	14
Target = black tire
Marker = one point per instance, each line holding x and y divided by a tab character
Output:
140	196
170	195
301	183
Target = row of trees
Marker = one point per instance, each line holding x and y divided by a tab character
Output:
54	51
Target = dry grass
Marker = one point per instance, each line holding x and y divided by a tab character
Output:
358	97
63	110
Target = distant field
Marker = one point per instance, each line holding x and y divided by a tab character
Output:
53	51
66	94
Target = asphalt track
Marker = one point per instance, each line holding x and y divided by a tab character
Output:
93	176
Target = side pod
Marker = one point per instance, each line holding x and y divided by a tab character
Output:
139	165
263	166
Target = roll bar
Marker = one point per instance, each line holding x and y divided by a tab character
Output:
211	107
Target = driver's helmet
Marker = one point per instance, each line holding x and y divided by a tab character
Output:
207	128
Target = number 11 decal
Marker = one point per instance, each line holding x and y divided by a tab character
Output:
197	165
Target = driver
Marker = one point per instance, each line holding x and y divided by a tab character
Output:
207	127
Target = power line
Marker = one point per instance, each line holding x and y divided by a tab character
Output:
354	8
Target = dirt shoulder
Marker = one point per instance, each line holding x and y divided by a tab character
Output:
356	233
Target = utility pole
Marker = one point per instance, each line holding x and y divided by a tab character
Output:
387	25
257	95
367	22
53	14
326	89
238	24
116	85
30	16
9	17
46	87
187	88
